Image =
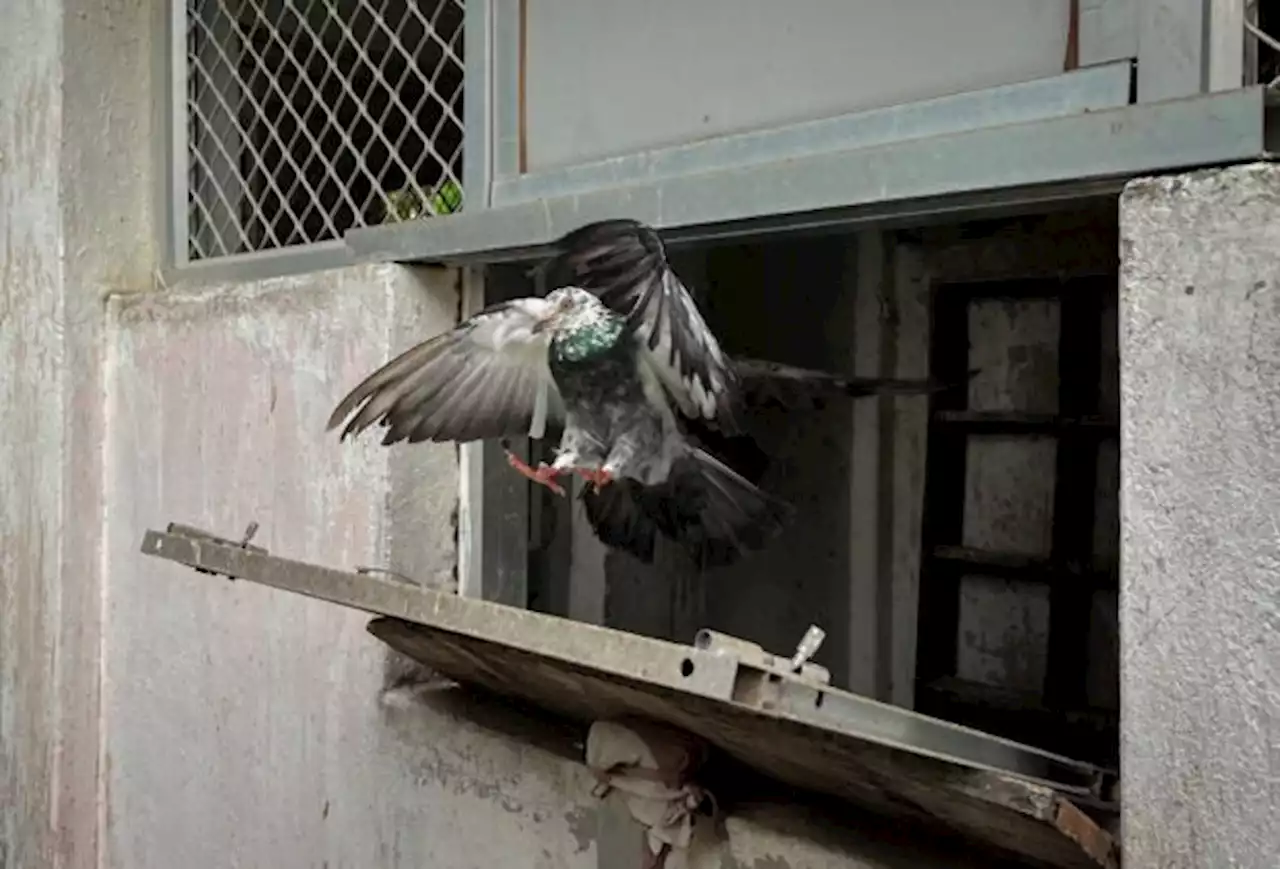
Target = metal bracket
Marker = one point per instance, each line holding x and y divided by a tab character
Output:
753	655
194	533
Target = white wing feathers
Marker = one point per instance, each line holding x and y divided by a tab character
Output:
698	387
486	378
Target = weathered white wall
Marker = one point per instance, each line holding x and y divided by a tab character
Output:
1200	600
245	722
75	216
608	77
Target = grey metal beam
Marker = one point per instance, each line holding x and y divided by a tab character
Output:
1085	90
505	87
477	110
261	265
169	114
1056	157
504	524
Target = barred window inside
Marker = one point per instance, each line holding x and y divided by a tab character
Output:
306	118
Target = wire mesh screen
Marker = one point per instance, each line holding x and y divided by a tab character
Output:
306	118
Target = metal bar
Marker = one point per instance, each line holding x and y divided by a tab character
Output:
175	253
504	514
644	660
261	265
1023	715
1173	49
1090	90
506	90
471	493
962	170
493	508
477	109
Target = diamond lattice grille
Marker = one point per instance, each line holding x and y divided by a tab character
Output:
306	118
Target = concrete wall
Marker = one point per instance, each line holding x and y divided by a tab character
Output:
75	216
608	78
245	722
1200	602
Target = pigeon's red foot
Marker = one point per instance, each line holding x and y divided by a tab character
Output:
598	478
543	475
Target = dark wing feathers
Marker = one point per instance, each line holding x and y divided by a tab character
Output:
771	384
624	263
486	378
704	506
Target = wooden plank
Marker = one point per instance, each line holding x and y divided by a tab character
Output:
1032	568
993	809
944	490
868	651
1019	422
1075	502
910	456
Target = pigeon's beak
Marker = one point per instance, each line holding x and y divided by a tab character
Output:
548	323
554	317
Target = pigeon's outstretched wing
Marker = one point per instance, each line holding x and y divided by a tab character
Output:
624	263
703	505
488	377
771	384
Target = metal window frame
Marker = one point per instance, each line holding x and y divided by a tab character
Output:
170	118
1098	88
967	171
1110	30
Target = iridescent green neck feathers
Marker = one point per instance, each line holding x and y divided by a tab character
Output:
586	338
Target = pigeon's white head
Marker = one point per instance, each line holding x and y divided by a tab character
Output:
574	307
582	327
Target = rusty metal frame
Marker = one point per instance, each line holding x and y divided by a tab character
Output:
704	669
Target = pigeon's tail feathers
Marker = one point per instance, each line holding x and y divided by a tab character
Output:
710	510
764	384
734	516
618	515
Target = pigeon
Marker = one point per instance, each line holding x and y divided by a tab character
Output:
617	359
624	262
568	361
